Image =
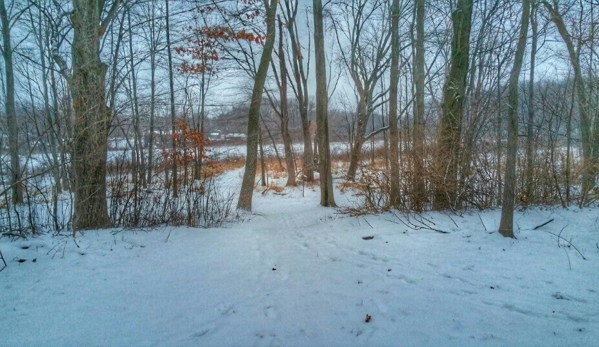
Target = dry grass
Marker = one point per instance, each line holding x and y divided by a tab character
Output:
219	167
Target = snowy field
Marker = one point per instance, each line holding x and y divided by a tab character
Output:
296	274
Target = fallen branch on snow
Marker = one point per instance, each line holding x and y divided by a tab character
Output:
418	222
570	244
4	261
542	225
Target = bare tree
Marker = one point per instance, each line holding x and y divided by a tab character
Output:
174	175
393	91
449	135
249	176
327	197
299	85
366	60
92	119
419	194
531	106
506	225
9	104
589	170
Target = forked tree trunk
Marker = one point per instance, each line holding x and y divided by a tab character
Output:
326	178
92	119
249	176
506	225
356	147
301	88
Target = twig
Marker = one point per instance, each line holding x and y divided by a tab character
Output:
422	225
371	227
454	223
4	261
560	234
542	225
570	243
481	222
569	263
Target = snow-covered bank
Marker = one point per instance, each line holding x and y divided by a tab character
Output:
296	274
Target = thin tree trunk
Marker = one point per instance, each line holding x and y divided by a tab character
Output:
531	108
174	158
9	104
285	113
152	96
326	178
419	194
262	164
139	173
394	196
247	184
588	161
506	225
301	82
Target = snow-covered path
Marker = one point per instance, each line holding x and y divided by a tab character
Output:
296	274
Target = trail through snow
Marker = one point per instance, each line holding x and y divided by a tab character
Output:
296	274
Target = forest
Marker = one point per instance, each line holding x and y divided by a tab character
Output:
126	116
466	104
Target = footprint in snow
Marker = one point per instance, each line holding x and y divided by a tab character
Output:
270	312
226	309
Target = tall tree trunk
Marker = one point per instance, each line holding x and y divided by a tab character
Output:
327	197
448	143
9	104
92	119
418	183
152	94
506	225
301	82
285	112
175	184
499	128
249	176
393	95
588	160
139	169
531	108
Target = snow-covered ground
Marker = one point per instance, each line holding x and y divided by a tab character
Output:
296	274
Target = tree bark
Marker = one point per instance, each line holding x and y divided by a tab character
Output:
327	197
301	89
418	177
393	102
531	108
249	176
285	113
506	225
448	143
9	104
92	119
175	178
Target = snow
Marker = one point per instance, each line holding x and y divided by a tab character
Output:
297	274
